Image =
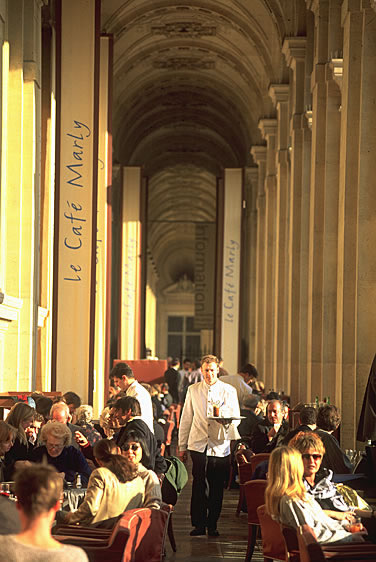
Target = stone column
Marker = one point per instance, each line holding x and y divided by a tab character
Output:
280	97
346	356
294	51
259	156
268	129
333	134
366	246
251	249
317	201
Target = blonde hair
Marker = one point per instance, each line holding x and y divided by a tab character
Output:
84	414
58	430
19	413
104	421
306	440
285	478
210	359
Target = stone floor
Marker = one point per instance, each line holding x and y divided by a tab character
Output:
230	545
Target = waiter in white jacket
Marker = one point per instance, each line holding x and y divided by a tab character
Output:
208	441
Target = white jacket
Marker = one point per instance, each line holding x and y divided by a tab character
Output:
196	431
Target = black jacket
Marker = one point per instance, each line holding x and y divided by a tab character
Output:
172	377
157	462
334	458
259	439
367	420
246	426
293	432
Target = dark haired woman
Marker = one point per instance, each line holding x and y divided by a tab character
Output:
113	488
135	450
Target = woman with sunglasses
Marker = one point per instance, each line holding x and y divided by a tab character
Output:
317	480
113	488
287	500
135	450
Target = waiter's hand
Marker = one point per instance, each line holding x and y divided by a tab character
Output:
183	456
224	421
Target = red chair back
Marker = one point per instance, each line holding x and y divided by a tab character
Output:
244	467
309	548
255	496
273	544
257	459
147	534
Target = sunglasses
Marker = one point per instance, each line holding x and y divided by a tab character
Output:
315	456
132	447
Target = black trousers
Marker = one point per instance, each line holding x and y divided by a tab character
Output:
209	477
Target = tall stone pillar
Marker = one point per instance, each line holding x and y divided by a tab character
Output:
346	356
317	200
259	156
251	195
20	184
333	135
366	247
280	97
268	129
294	51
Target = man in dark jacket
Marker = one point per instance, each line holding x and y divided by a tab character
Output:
307	419
172	378
367	420
251	412
127	412
269	434
328	420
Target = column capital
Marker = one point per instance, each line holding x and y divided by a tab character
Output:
348	7
315	5
279	93
268	127
336	67
259	153
294	49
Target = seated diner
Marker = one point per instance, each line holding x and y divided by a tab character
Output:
288	502
113	488
135	450
38	490
56	448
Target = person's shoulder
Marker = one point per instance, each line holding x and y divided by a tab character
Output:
72	553
263	425
137	423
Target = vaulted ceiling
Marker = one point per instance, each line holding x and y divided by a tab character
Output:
190	85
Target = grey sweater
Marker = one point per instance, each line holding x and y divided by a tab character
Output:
13	551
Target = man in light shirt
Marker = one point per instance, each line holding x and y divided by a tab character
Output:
239	382
208	442
123	377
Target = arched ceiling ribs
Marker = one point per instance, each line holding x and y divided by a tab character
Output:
190	84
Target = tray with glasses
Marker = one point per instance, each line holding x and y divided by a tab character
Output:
227	419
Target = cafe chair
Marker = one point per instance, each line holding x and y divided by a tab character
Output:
242	458
147	534
257	459
311	551
100	545
273	543
254	491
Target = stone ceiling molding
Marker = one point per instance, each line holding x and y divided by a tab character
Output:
191	82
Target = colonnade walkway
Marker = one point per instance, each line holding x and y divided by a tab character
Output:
230	545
